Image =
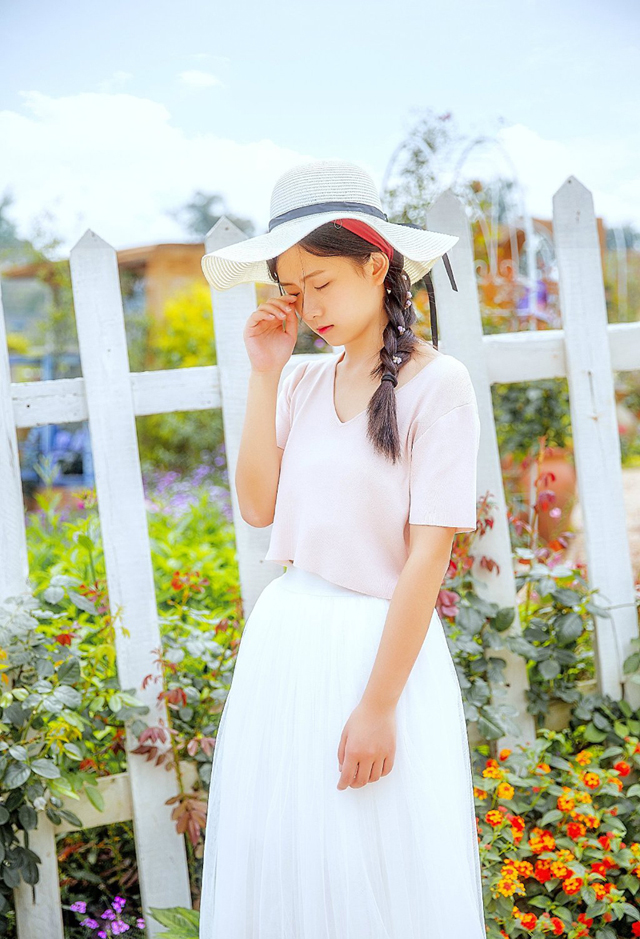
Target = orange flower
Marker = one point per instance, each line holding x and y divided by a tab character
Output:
505	791
623	767
558	869
572	885
529	921
504	753
585	920
591	780
576	830
494	818
564	854
584	757
601	889
605	841
541	840
542	871
558	925
480	793
492	770
566	802
543	767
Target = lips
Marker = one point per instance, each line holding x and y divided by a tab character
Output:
324	329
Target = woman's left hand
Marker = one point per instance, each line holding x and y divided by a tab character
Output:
368	746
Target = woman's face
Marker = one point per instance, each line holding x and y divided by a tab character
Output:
335	292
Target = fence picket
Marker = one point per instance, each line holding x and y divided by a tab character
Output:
595	430
461	329
160	850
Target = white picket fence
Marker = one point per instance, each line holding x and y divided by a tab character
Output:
586	351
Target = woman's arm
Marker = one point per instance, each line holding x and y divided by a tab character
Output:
270	336
410	612
368	738
258	466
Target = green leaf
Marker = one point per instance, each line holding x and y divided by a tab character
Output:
95	797
71	817
549	669
28	817
18	753
69	672
569	626
72	750
182	922
46	768
16	775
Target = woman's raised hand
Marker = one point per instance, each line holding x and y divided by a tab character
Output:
269	344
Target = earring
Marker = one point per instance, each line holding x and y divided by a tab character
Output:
388	289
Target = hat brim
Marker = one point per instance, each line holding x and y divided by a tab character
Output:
245	261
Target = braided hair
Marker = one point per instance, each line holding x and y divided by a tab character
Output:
398	338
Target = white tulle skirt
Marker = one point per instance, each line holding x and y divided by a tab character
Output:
287	854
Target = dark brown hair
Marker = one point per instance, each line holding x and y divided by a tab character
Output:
335	241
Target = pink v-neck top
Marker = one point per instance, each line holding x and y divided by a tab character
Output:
342	509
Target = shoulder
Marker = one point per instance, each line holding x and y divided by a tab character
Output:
302	371
456	377
447	389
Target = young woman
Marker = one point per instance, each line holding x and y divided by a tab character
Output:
341	799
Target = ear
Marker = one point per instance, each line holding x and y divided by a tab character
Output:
379	267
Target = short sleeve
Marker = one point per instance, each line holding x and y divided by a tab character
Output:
443	472
284	410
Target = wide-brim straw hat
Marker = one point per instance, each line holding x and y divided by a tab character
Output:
305	197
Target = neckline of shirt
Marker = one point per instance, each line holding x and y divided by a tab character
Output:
332	373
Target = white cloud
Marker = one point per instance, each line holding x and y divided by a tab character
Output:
115	163
197	79
605	166
117	80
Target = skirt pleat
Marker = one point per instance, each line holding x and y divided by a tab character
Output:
289	856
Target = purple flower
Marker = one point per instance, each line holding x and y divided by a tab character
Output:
108	914
79	906
119	927
140	923
102	934
118	904
89	923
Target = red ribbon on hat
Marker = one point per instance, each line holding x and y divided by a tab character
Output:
369	234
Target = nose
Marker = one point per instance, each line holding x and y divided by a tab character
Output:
310	310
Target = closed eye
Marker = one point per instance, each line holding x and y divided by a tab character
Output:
296	295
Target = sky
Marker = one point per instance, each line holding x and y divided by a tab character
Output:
113	114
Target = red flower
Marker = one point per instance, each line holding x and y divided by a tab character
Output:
623	767
64	638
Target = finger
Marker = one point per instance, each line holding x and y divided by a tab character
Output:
362	776
341	749
376	771
349	769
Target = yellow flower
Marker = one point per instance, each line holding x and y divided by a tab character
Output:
505	791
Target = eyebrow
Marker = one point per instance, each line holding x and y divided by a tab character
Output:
287	283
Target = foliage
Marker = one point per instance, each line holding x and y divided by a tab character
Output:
525	411
556	613
199	608
62	716
181	922
558	838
